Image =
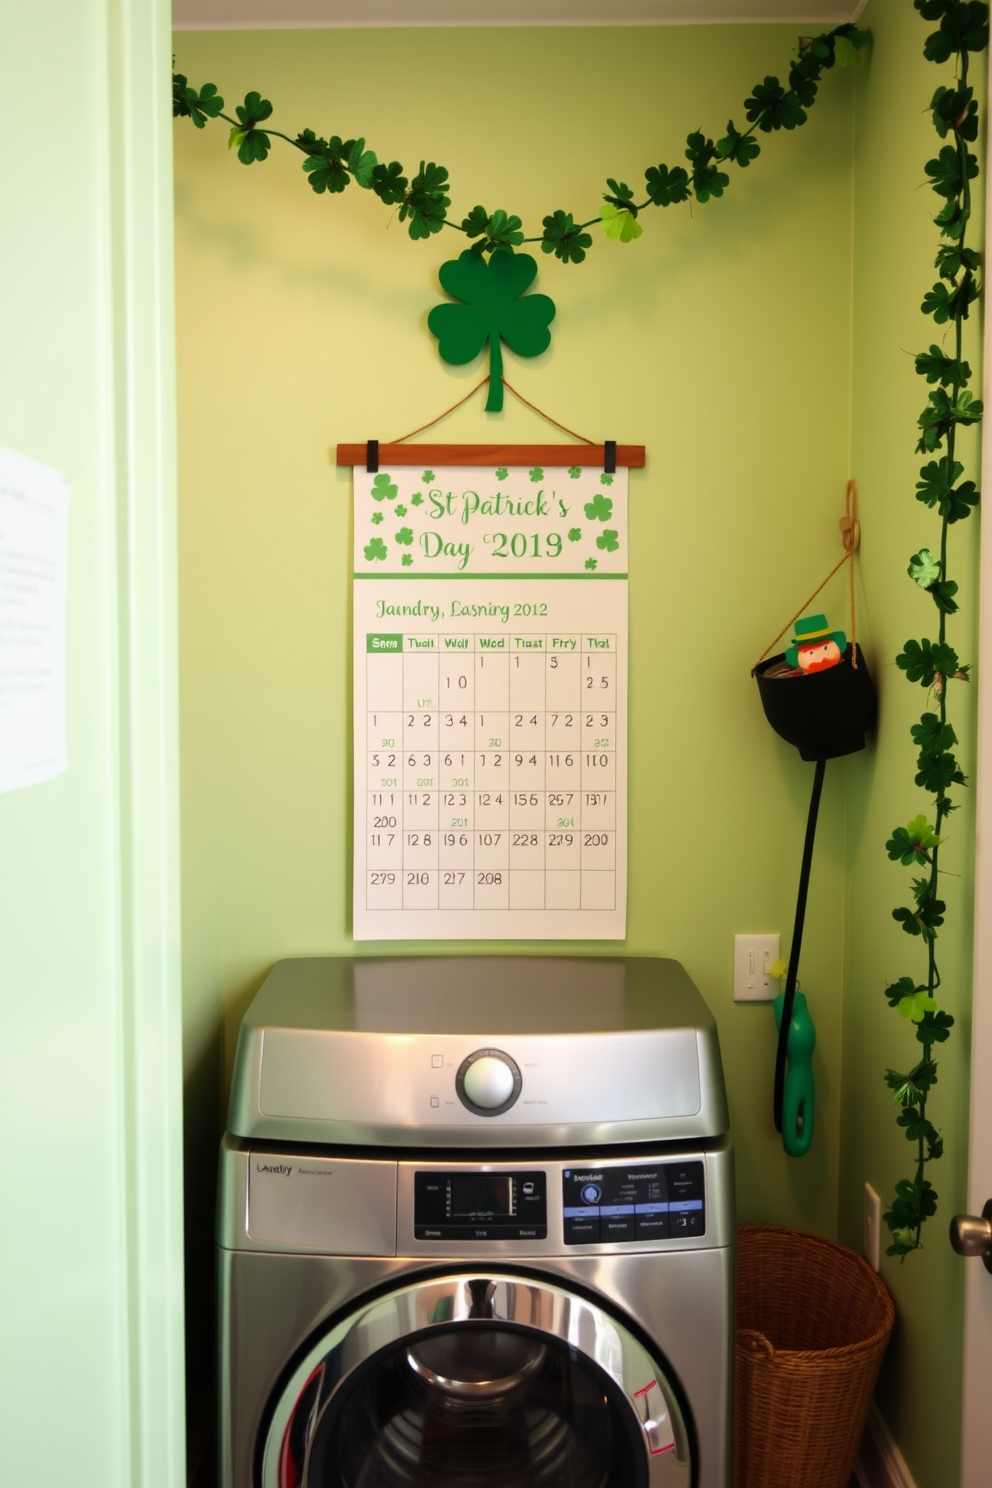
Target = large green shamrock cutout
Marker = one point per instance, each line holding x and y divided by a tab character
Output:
491	308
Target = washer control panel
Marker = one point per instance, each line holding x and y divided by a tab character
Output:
461	1205
652	1201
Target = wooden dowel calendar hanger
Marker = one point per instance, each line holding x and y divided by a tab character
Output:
603	456
593	456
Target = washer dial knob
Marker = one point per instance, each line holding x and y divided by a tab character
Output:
488	1082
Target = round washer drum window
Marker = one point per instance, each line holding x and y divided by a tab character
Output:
478	1406
436	1386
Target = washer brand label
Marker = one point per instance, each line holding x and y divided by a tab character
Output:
282	1169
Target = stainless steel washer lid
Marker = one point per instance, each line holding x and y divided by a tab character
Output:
477	1051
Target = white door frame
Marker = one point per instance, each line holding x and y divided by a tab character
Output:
976	1430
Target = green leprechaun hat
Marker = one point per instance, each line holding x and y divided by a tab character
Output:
810	630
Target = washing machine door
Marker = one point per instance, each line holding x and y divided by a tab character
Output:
477	1381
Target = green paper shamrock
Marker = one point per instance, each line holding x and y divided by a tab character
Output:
406	560
574	472
605	480
405	536
923	568
383	488
376	551
916	1005
574	534
399	511
619	223
590	563
609	540
427	477
537	474
491	310
377	518
599	509
416	499
502	473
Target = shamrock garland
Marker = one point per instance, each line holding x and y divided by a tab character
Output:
934	665
332	164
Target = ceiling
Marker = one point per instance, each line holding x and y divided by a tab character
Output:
192	15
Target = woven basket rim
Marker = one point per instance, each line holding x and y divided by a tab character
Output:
869	1278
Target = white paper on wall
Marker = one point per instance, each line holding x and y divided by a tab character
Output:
490	662
34	508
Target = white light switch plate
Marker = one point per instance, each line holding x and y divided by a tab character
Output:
753	956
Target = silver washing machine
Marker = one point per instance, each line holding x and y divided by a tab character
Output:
476	1229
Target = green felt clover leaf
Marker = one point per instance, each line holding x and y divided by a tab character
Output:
200	106
590	563
491	310
406	560
375	552
405	536
599	509
499	231
609	540
502	473
399	510
737	146
564	238
574	534
427	477
252	143
574	471
537	474
605	480
416	499
377	518
383	489
923	568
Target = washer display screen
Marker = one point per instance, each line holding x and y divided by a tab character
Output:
481	1195
480	1206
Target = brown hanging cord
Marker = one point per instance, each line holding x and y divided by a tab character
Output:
403	438
547	417
533	406
850	532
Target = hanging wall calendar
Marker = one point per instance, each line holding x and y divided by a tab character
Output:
490	684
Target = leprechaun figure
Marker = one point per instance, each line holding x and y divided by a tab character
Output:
815	647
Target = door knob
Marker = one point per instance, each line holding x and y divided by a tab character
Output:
971	1236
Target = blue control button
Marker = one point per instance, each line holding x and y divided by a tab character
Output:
591	1194
615	1209
584	1213
682	1206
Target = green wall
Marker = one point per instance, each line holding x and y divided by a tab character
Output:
302	322
895	243
722	340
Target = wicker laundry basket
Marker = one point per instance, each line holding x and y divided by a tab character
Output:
813	1320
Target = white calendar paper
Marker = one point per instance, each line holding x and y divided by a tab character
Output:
490	672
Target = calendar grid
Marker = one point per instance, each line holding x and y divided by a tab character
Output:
491	765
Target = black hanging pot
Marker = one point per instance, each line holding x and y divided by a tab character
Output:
824	714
